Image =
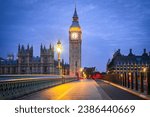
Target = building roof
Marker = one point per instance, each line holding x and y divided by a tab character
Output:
119	59
75	22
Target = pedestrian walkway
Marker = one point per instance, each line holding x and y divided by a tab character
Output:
79	90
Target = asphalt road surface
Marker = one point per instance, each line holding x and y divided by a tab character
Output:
115	93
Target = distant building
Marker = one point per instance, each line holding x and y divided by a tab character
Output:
10	57
8	66
26	63
130	63
89	71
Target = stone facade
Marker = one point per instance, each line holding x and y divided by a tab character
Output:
26	63
129	64
75	42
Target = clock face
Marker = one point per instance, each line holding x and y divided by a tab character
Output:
74	35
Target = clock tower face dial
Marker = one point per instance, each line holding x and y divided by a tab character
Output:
74	36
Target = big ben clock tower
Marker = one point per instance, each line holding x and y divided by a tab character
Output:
75	41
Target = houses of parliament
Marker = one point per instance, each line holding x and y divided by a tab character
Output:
26	63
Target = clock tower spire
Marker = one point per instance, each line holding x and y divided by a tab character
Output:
75	16
75	35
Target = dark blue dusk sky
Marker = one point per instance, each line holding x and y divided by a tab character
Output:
107	25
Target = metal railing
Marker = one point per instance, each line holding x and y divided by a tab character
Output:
14	88
136	81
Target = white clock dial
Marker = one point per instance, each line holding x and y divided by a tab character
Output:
74	35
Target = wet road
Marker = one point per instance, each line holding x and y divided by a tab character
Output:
81	90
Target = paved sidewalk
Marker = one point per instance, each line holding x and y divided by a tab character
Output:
87	89
78	90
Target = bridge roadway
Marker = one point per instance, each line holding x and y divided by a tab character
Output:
82	90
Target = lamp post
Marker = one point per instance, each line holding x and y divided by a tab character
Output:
76	72
81	72
148	80
145	74
142	79
59	51
145	70
121	79
129	79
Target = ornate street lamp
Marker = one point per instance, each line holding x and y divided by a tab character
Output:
59	51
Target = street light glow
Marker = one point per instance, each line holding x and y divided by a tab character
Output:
130	74
59	47
81	69
144	69
59	50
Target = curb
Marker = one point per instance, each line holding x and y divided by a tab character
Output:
103	95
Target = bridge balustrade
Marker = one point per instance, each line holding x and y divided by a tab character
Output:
19	87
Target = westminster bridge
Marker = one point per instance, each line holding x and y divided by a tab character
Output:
54	87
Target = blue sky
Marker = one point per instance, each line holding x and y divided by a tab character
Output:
107	25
